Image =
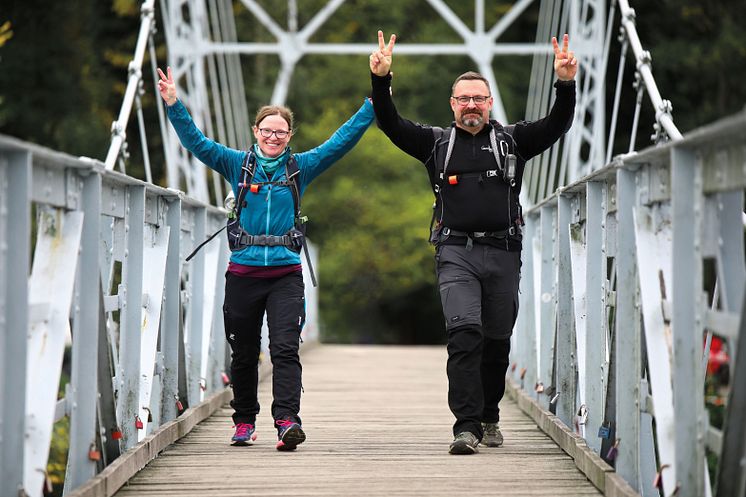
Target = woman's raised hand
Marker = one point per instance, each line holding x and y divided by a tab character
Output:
380	60
167	87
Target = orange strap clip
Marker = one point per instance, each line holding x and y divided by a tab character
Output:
254	188
453	180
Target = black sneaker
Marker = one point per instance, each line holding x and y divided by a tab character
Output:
290	435
464	443
492	436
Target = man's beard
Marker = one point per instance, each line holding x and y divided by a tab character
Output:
471	120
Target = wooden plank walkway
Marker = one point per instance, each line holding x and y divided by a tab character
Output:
378	424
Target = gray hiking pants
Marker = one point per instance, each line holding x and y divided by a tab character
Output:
479	295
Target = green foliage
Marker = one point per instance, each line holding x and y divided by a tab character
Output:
699	56
58	448
57	464
370	215
5	33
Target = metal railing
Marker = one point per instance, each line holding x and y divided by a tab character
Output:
225	118
625	273
108	275
587	146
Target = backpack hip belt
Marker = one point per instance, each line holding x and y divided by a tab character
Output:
293	239
481	234
445	232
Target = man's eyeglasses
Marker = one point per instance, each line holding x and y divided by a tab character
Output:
464	100
279	133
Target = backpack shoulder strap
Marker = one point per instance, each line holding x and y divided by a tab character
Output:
248	169
441	136
292	173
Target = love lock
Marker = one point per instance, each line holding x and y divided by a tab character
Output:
179	405
93	453
539	387
138	423
582	414
658	480
116	433
580	419
48	487
611	454
604	431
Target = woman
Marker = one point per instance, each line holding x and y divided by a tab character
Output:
264	273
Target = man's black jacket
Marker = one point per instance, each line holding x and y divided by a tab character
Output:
475	203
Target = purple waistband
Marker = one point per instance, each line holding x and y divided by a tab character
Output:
262	271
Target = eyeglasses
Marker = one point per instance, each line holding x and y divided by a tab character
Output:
464	99
279	133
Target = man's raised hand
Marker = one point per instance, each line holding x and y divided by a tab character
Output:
565	63
380	60
167	87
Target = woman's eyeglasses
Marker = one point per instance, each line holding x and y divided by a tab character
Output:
464	100
279	133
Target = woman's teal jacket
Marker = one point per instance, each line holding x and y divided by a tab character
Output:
270	211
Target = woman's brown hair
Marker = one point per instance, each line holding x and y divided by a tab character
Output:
274	110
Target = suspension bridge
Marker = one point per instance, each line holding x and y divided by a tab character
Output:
632	261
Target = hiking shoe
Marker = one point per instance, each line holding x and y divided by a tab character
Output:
465	443
244	434
289	434
492	436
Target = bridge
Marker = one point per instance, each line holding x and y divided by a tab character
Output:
633	260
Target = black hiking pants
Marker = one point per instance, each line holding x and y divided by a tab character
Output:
479	295
246	300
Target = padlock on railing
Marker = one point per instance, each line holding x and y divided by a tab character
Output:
179	405
582	414
93	453
150	414
138	423
611	454
48	487
226	380
604	431
116	433
658	480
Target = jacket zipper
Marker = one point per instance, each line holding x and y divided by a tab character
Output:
266	228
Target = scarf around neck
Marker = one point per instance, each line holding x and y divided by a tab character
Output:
270	164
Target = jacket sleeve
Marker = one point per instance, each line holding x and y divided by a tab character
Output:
532	138
317	160
216	156
414	139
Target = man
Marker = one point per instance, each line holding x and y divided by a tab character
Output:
475	168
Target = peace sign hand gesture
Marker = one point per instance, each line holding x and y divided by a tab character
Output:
565	63
380	60
167	87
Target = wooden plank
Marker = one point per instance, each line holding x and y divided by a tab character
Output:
378	423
